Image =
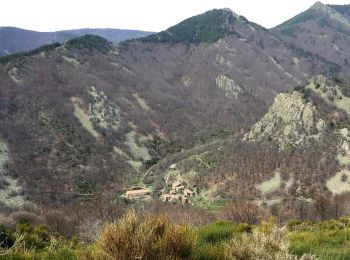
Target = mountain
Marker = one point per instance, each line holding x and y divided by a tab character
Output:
86	116
18	40
87	120
322	29
252	54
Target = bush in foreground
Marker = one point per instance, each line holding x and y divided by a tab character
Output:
153	237
27	241
266	242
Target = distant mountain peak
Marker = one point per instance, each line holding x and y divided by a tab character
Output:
207	27
317	6
228	10
339	14
331	12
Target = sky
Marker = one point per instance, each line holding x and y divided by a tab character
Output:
148	15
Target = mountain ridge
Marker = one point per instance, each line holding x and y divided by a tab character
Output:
14	39
322	30
207	27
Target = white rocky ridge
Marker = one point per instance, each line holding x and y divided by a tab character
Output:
229	86
101	111
10	190
290	121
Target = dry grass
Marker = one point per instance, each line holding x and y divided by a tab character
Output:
265	243
153	237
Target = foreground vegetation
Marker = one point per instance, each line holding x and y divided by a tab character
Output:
156	237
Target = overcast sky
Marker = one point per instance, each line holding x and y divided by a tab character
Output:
151	15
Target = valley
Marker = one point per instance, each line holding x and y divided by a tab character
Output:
215	118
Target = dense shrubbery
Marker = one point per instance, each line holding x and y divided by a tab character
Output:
327	239
90	42
26	241
157	237
207	27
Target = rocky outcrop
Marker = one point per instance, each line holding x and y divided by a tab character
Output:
290	121
102	111
10	190
229	86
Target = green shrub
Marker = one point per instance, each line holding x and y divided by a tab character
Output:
32	237
292	224
89	42
214	251
207	27
219	231
36	242
327	240
211	238
7	238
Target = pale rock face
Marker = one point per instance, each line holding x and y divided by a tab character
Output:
222	44
10	190
270	185
339	183
16	75
186	81
230	11
83	117
289	120
321	125
229	86
137	147
102	111
321	86
344	147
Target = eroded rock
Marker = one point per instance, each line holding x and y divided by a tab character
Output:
229	86
290	120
